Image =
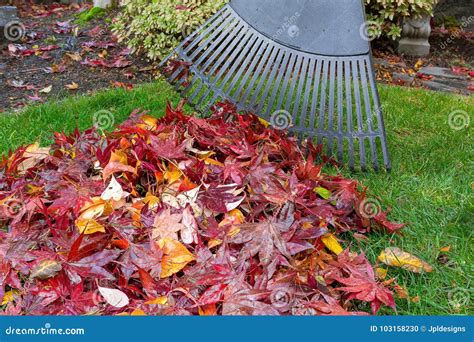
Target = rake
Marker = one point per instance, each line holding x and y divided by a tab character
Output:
304	65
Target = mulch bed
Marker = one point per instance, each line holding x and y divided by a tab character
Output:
52	62
450	49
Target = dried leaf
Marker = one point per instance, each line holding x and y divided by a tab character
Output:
89	226
46	90
46	269
394	256
175	257
445	249
72	86
114	297
114	191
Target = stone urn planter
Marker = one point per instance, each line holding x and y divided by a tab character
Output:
415	35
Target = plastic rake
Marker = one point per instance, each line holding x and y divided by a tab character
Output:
304	65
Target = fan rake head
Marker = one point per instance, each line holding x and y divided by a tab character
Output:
310	74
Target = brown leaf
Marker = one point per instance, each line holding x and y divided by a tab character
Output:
72	86
46	269
74	56
394	256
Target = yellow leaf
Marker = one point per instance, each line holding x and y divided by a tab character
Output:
32	156
172	175
418	64
46	90
93	209
72	86
213	243
86	222
119	156
264	122
74	56
210	161
138	312
394	256
175	257
381	273
331	243
162	300
149	122
234	217
8	297
151	200
445	249
33	189
89	226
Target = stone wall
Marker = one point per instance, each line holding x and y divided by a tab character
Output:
462	10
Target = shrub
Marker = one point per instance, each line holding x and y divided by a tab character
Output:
157	26
385	16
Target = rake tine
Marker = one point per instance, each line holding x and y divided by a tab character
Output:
350	127
268	68
280	59
235	78
214	20
322	108
263	61
307	94
302	79
295	77
355	74
235	33
378	113
332	73
276	87
235	54
289	71
368	110
216	38
340	112
261	48
229	43
314	103
208	35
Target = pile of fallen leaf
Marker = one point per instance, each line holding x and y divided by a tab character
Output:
183	215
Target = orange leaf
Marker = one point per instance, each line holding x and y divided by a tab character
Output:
138	312
163	300
445	249
175	257
207	310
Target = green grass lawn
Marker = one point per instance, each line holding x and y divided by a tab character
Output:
430	187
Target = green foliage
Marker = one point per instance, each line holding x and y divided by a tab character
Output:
385	16
157	26
86	16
